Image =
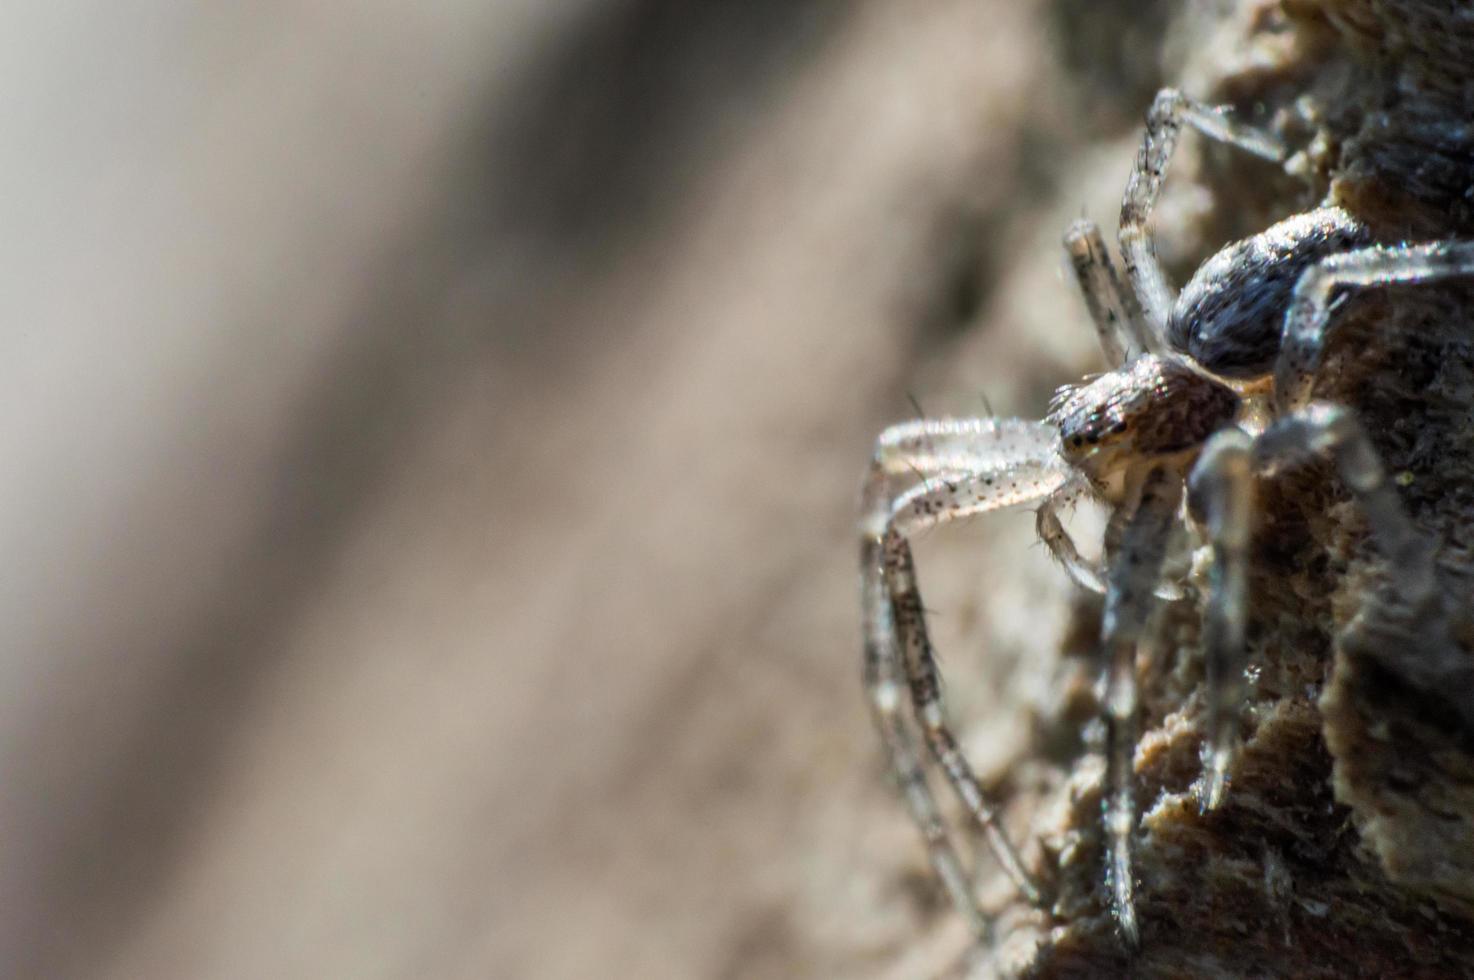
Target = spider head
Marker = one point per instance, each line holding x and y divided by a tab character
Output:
1155	409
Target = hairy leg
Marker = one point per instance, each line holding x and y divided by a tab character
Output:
1136	545
883	686
924	447
1118	320
1164	122
936	452
925	506
1308	320
1223	488
925	682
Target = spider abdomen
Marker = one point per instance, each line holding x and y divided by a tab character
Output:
1230	315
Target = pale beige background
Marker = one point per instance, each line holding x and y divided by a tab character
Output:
429	439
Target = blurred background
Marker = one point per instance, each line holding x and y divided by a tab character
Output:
430	443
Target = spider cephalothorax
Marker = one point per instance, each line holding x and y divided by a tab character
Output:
1134	439
1157	407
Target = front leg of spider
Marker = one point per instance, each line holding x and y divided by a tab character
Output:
884	686
960	468
925	682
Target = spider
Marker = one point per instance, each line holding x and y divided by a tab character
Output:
1173	421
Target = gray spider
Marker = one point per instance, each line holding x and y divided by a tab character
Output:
1174	416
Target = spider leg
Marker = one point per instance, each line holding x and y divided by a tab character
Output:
926	447
1009	462
1113	309
1164	122
1081	570
1222	483
1137	542
1307	321
925	681
883	684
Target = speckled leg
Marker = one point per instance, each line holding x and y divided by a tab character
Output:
1136	545
1222	488
1308	319
1164	123
938	454
925	447
1322	427
925	681
883	686
1113	309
